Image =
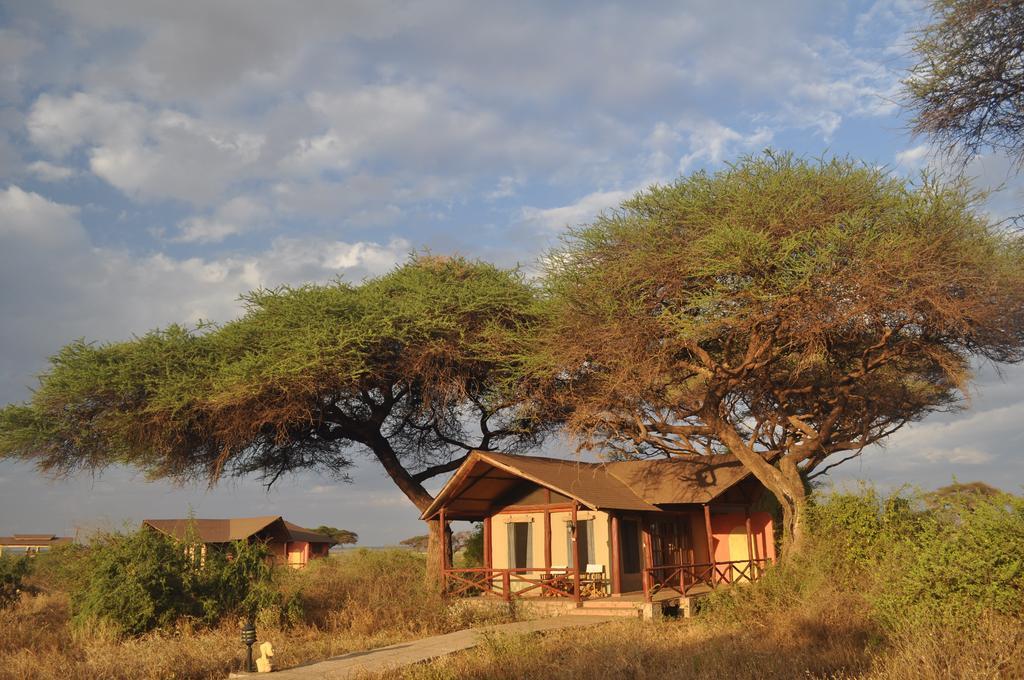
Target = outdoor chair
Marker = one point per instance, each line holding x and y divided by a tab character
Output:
595	577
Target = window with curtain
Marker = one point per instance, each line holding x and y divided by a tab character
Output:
585	536
520	545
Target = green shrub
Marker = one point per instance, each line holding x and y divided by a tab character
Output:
957	565
913	563
473	552
145	580
137	582
238	580
852	531
13	571
64	568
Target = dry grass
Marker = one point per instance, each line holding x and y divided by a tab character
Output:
823	639
830	637
38	642
361	601
994	648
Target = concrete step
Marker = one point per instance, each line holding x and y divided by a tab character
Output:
609	611
609	603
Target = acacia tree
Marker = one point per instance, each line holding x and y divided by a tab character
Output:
342	536
967	89
415	368
788	312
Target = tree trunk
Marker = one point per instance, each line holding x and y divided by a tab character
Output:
793	500
415	492
434	543
784	482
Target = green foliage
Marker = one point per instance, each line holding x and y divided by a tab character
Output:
342	536
473	552
955	567
63	568
13	570
909	565
238	580
855	529
307	372
136	582
145	580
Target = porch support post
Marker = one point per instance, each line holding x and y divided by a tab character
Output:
750	544
615	561
547	540
645	533
488	538
576	549
444	550
711	544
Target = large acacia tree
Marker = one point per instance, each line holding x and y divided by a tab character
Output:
414	368
967	88
788	312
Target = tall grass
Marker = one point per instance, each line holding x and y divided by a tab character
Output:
360	600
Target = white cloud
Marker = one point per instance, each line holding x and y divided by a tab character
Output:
416	125
50	172
507	186
31	218
149	155
575	214
59	124
234	217
913	158
961	455
710	141
983	434
67	287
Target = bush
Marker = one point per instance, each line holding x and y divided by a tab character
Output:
137	582
913	564
12	574
142	581
238	581
956	566
63	569
473	552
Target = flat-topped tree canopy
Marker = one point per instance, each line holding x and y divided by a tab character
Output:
488	480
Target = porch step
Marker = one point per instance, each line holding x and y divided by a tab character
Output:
626	612
608	603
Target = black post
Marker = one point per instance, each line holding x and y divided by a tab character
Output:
248	639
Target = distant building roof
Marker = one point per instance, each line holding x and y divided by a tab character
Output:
623	485
271	527
33	540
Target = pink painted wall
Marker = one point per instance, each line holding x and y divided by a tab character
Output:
761	529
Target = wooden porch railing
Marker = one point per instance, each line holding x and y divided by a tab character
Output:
685	578
509	583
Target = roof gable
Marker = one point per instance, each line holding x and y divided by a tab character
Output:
638	485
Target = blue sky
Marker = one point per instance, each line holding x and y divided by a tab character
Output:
159	158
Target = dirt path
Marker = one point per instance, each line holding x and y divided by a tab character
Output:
415	651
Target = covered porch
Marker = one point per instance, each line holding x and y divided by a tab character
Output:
575	531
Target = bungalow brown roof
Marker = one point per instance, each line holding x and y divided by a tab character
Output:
236	529
697	479
302	534
626	485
